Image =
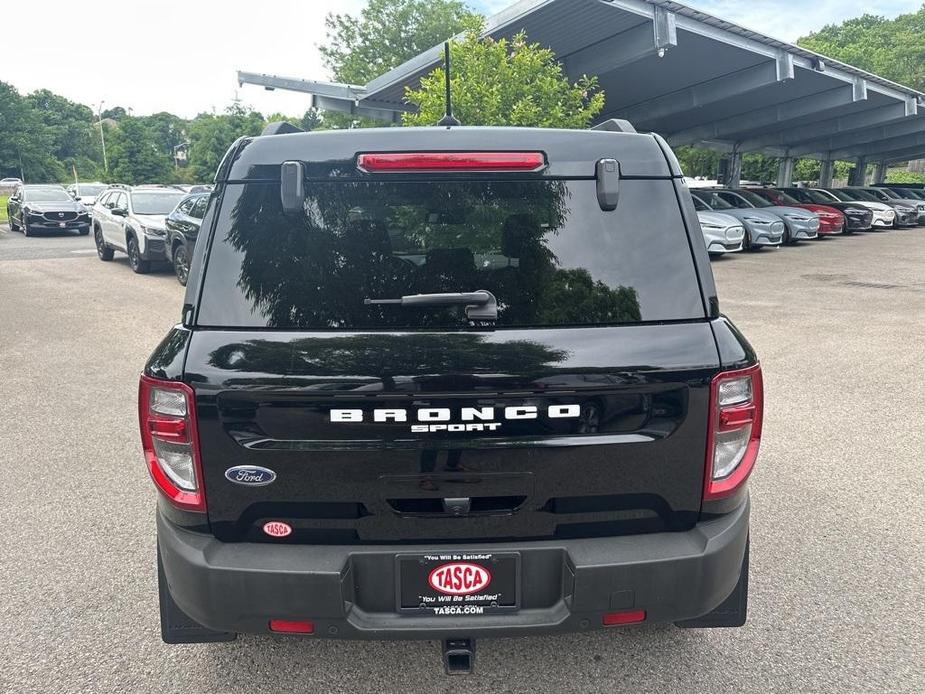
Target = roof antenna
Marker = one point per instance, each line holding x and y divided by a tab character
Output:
448	119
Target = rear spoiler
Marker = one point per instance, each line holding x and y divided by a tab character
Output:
615	125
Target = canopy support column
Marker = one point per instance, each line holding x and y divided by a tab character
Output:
826	174
880	172
859	173
785	172
735	169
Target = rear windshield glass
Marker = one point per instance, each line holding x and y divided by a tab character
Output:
543	248
714	201
156	203
46	195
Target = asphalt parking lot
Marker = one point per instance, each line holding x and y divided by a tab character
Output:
838	535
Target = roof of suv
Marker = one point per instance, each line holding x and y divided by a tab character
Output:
570	153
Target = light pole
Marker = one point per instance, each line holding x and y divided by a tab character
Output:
176	155
99	117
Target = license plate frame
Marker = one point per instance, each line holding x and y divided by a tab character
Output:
415	596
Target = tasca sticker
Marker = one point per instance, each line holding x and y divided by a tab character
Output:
277	529
459	578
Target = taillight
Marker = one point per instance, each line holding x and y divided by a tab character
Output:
436	162
734	431
170	441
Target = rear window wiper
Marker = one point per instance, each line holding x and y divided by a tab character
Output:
480	305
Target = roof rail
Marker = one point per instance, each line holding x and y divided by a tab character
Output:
280	127
615	125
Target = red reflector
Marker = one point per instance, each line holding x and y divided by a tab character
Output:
613	619
733	417
285	626
168	428
423	162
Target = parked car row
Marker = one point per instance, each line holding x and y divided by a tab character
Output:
160	223
750	218
149	224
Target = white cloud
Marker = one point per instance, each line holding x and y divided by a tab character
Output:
791	20
175	55
182	55
490	7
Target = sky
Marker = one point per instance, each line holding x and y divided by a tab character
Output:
183	56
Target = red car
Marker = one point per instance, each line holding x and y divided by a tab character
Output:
831	221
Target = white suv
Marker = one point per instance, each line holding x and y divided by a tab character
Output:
131	220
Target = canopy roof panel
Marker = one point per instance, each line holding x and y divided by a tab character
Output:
694	78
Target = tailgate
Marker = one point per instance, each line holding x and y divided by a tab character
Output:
443	436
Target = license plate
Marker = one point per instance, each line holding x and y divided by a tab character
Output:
458	583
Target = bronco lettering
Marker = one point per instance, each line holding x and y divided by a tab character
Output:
445	415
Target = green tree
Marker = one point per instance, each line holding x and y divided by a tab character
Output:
134	156
900	176
758	167
311	120
26	143
167	130
115	113
70	126
506	83
211	135
698	162
389	32
892	48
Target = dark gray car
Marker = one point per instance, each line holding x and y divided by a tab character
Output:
44	208
901	203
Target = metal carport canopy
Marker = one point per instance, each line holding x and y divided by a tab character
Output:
694	78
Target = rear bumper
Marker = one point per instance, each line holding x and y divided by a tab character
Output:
883	219
720	247
155	249
831	227
764	235
858	223
804	231
349	591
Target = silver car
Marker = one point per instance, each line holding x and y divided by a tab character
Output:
722	233
799	224
761	228
132	220
86	193
906	205
884	215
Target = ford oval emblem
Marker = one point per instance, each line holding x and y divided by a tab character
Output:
250	475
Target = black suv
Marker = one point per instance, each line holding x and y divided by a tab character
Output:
182	230
448	383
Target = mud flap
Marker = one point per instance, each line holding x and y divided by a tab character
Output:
176	625
732	612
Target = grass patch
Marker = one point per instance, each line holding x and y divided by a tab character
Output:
3	199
